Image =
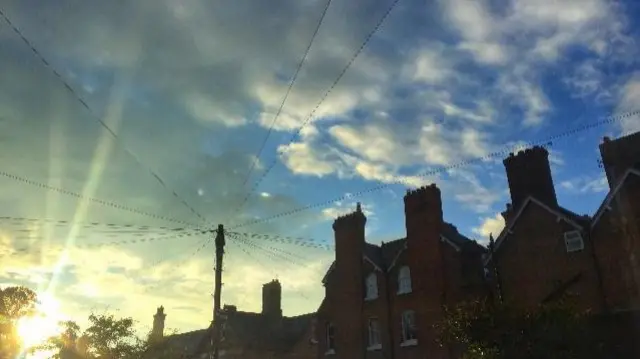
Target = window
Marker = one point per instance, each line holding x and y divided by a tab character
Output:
374	334
409	336
573	241
331	339
404	280
371	287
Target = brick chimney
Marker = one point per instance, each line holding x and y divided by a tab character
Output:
272	299
529	174
619	155
423	213
158	323
347	288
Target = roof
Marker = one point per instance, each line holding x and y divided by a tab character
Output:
574	219
187	343
384	256
254	330
612	194
248	330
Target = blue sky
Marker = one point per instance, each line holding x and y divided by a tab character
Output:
191	88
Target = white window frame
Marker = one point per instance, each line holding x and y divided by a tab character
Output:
573	241
330	338
375	338
371	286
404	280
409	332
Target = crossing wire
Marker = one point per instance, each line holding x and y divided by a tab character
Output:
496	154
273	253
279	250
268	268
199	247
94	200
114	226
288	240
102	123
320	102
286	95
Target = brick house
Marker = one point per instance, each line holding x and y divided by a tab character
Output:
381	301
248	335
546	250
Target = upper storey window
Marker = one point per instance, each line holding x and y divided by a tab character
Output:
371	287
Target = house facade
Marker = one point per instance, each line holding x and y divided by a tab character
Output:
381	301
546	250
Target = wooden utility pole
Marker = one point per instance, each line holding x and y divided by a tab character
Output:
217	317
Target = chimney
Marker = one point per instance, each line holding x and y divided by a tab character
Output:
158	323
423	213
272	299
619	155
349	234
529	174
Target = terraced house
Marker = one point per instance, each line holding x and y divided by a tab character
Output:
381	300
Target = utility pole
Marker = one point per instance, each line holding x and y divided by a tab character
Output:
217	317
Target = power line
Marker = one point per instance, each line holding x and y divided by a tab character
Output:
96	117
199	247
94	200
502	153
286	95
137	240
270	254
273	236
273	254
280	250
286	240
322	99
110	226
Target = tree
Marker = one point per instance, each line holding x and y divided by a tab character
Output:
106	337
485	330
15	302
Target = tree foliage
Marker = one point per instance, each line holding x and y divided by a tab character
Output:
15	302
485	330
106	337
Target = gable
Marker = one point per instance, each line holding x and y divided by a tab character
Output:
561	214
606	203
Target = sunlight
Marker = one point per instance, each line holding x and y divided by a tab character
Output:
35	330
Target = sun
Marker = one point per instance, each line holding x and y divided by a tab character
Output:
44	324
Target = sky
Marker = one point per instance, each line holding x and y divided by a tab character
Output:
191	89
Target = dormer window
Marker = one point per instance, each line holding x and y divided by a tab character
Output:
371	287
404	280
573	241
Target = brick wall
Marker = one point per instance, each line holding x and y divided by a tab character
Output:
533	261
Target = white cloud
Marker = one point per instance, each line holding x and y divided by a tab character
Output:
302	159
430	66
204	109
471	193
490	226
629	100
341	208
586	184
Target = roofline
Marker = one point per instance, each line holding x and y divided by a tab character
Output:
447	240
612	194
395	259
507	228
364	257
333	265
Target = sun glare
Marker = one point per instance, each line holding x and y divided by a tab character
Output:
35	330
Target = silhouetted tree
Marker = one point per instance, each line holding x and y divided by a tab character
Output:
485	330
15	302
